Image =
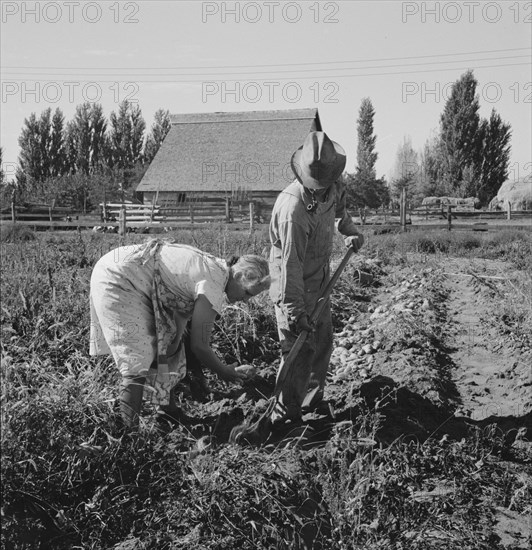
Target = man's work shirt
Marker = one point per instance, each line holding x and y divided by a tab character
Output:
302	243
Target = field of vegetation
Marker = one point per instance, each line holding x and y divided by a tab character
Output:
430	384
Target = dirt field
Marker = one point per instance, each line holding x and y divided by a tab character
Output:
427	444
427	345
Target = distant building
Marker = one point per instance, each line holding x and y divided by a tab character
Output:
230	155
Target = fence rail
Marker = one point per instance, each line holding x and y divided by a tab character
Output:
205	211
249	213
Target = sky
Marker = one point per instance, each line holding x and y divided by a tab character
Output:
199	56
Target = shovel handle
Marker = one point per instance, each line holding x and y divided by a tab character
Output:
316	312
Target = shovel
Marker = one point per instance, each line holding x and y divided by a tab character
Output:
258	431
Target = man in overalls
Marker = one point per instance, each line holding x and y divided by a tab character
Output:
301	233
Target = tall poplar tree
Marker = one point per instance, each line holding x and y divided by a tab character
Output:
99	141
366	155
496	136
460	139
86	138
126	140
29	168
44	130
58	163
126	136
363	187
473	153
79	139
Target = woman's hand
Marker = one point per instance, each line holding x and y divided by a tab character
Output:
230	374
200	336
240	373
249	370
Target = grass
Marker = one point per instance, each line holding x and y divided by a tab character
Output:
508	244
10	233
73	479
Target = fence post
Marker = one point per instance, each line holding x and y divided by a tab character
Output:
251	216
402	209
227	211
13	211
122	221
449	217
509	211
191	213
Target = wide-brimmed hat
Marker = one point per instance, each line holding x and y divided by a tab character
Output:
319	162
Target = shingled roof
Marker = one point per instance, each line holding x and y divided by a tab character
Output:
230	150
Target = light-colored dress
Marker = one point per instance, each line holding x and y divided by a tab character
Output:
141	298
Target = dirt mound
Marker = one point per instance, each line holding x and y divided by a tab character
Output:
416	346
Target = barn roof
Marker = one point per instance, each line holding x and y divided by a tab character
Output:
229	151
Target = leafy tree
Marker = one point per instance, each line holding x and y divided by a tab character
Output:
119	136
363	187
496	136
58	161
366	193
47	151
86	138
44	139
84	192
79	139
366	155
126	136
138	126
472	153
429	183
460	140
469	184
7	188
406	170
29	168
125	142
159	130
99	144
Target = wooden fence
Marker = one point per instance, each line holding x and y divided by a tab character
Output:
247	213
212	210
407	216
37	212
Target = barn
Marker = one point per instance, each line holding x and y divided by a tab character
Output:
226	156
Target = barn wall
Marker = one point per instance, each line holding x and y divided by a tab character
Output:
173	198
